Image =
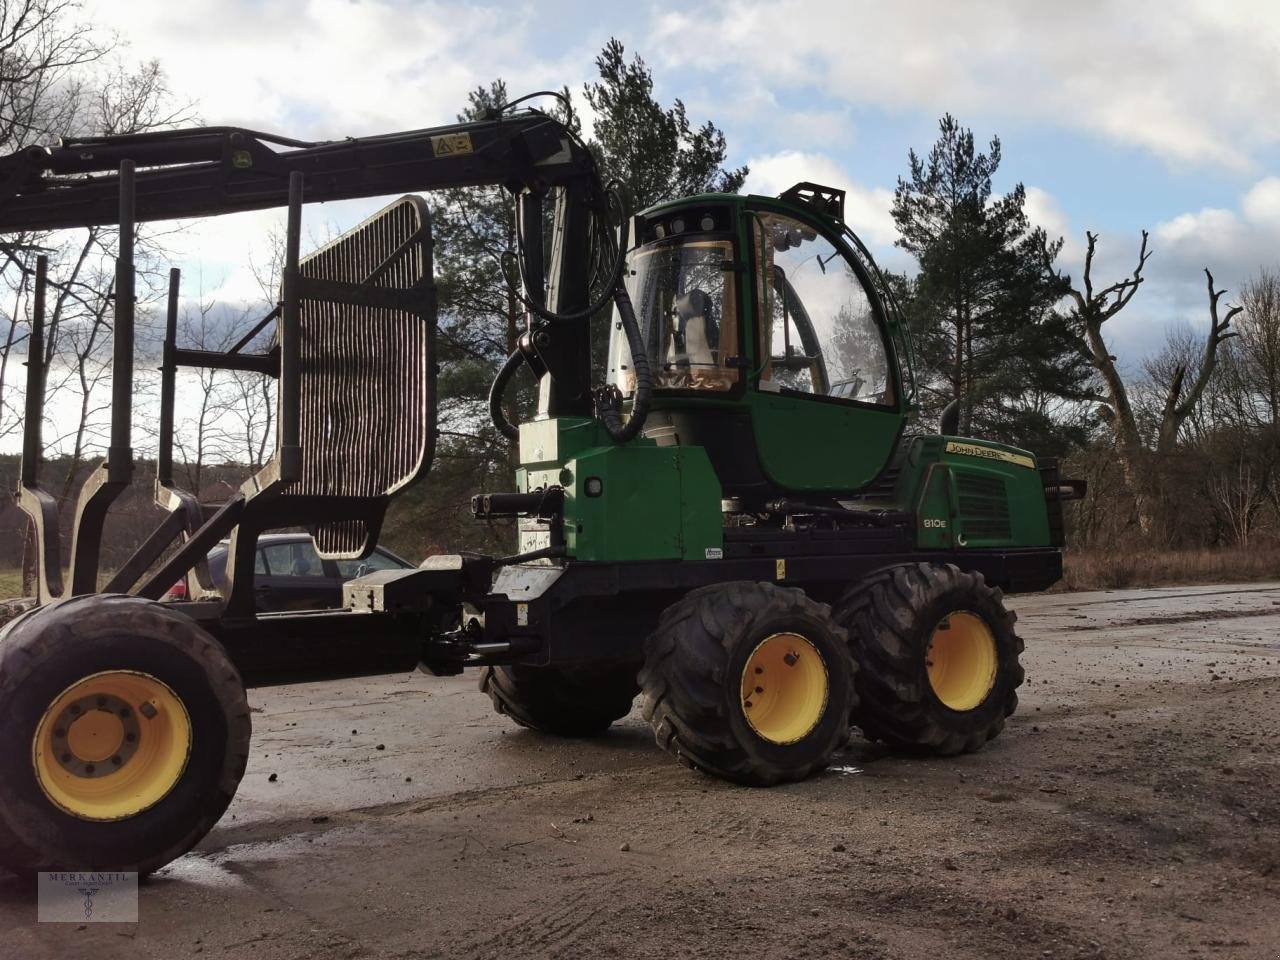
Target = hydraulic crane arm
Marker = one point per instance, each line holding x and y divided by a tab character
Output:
206	171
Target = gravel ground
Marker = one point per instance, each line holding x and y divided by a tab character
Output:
1130	809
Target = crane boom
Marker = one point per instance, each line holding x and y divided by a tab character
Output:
206	171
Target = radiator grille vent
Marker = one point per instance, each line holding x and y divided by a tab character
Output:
984	507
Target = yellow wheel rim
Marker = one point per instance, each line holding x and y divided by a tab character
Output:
962	660
784	688
111	745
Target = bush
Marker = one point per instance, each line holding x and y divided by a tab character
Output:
1120	568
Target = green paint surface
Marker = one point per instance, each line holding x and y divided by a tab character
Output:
654	503
809	444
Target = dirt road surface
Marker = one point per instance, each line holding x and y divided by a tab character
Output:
1130	809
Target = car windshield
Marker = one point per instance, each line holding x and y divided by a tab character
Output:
684	299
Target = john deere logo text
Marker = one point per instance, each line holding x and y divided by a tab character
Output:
990	453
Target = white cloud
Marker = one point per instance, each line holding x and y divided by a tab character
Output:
1261	204
1044	210
1232	243
325	68
1191	80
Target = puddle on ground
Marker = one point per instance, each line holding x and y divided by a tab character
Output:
844	769
200	871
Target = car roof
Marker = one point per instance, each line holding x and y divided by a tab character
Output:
267	539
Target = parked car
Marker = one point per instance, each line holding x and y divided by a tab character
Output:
289	574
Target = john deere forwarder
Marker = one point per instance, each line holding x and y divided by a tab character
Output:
735	524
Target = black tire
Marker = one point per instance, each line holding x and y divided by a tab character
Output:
44	654
891	617
581	701
693	675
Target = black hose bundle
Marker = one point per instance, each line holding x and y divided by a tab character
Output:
608	405
608	401
609	201
496	391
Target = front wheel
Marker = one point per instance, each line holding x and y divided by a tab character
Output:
751	682
124	735
568	701
937	657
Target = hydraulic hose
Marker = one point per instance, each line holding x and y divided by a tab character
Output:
496	392
604	243
608	401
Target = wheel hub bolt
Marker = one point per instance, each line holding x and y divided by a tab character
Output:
147	709
791	659
98	766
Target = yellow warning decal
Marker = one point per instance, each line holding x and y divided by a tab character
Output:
990	453
780	570
451	144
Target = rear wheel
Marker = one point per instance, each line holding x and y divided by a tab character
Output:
937	657
125	734
749	681
568	701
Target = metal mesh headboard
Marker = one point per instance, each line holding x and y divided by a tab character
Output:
367	369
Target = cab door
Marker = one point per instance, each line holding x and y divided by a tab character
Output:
827	409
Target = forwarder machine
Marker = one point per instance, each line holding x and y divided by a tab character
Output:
730	518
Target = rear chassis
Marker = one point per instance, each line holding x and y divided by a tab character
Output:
449	615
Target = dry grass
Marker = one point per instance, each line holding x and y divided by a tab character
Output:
1131	567
10	584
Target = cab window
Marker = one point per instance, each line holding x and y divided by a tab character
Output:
818	331
350	569
685	301
296	558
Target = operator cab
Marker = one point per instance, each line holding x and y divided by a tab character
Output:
764	306
681	282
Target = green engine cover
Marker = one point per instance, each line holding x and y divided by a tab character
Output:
635	501
973	493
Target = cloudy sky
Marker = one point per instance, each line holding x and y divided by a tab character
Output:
1117	116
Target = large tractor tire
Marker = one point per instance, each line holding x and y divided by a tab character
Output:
124	732
937	657
751	682
578	701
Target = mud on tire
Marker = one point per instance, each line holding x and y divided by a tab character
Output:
45	653
578	701
891	617
692	681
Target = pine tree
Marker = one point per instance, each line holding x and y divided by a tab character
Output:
654	151
982	306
